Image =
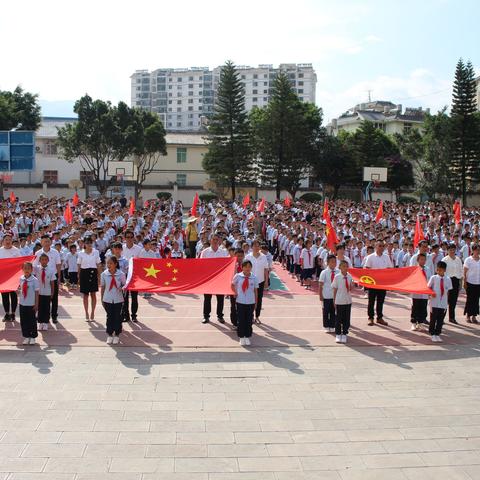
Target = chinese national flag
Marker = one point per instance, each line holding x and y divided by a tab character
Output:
332	238
261	206
193	210
75	199
288	202
407	279
13	198
457	212
172	275
379	215
11	270
246	200
419	236
131	210
326	213
67	215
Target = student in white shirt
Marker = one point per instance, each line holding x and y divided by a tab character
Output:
260	270
45	277
130	250
89	264
419	300
455	272
471	268
441	285
342	298
308	263
9	299
325	292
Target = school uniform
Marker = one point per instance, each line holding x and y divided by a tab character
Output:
54	261
9	299
245	289
88	264
438	304
326	279
71	259
343	302
45	277
129	253
473	286
28	290
455	272
113	299
233	301
307	260
420	302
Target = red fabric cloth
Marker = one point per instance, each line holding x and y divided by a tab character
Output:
379	215
68	215
245	284
407	279
131	209
419	236
175	275
261	206
347	286
193	210
75	199
332	276
113	283
25	289
457	212
43	276
288	202
246	200
10	272
332	238
442	287
13	198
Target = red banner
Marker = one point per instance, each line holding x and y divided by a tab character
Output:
173	275
11	271
407	279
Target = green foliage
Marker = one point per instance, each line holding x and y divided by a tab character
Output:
400	173
19	108
406	199
207	197
285	133
311	197
164	195
229	157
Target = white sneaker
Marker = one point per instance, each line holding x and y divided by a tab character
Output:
247	341
26	341
242	341
45	326
32	341
109	340
434	338
332	330
438	338
344	339
327	330
115	340
338	338
414	327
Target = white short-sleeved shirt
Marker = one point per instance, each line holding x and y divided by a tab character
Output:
473	273
88	260
440	301
343	296
9	252
259	264
210	253
378	261
132	252
326	280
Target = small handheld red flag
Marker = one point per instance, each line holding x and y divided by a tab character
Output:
75	199
419	236
379	215
131	210
13	198
67	215
326	213
246	200
146	204
261	206
193	210
457	212
332	238
288	202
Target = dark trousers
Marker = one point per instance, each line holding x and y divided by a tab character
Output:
379	296
192	249
258	308
245	319
10	301
207	305
328	313
437	316
28	322
342	319
453	297
233	310
473	295
114	318
126	305
419	310
54	301
44	308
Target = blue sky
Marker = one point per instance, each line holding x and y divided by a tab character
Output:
404	51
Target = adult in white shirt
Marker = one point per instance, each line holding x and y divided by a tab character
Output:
471	281
213	251
260	270
55	265
377	260
89	263
9	299
455	272
130	250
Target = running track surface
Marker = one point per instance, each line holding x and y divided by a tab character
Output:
292	317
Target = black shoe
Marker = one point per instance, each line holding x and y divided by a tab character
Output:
205	320
126	318
452	320
54	320
6	318
220	319
134	319
12	317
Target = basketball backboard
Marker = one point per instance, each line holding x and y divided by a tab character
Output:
375	174
125	169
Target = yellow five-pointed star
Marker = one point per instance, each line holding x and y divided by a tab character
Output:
169	265
174	279
175	270
151	271
167	283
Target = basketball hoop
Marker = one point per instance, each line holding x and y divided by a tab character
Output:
119	177
376	183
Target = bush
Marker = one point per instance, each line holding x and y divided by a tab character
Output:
164	195
407	199
207	197
311	197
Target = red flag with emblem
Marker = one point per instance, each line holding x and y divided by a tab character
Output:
131	210
261	206
193	210
246	200
10	272
419	236
173	275
326	213
67	214
332	238
75	199
379	215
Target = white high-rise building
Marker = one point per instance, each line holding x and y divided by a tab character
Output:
184	97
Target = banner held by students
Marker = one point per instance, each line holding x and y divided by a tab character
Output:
11	270
172	275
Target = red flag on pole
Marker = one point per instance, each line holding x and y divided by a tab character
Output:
131	210
146	204
75	199
193	210
261	206
457	212
326	213
171	275
246	200
379	215
13	198
10	271
419	236
288	202
67	215
332	238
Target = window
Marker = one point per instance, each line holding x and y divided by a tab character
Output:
190	93
300	90
179	124
179	102
190	109
255	91
50	177
50	148
255	84
190	85
179	79
254	99
265	99
300	75
170	102
190	79
181	154
179	109
190	115
407	127
300	83
255	75
85	177
190	124
181	179
190	100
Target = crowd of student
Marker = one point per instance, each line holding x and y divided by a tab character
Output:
92	252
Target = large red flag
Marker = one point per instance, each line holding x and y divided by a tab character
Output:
326	212
419	236
379	215
193	210
131	210
11	270
288	202
246	200
75	199
261	206
332	238
457	212
406	279
173	275
67	215
13	198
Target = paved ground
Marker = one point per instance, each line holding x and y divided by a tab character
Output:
180	400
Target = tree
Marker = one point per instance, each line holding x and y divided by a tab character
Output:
19	108
465	135
284	137
229	157
400	173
